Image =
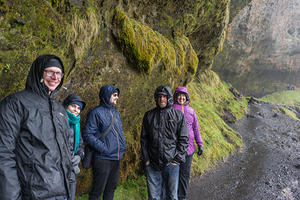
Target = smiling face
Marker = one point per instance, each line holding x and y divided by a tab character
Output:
74	109
181	99
162	100
114	98
52	77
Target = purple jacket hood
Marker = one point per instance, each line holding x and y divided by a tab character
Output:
181	89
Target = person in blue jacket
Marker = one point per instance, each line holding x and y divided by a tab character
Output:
108	150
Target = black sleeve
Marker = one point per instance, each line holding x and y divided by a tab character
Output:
10	123
144	140
182	140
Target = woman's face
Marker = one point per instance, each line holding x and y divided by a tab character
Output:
181	99
74	109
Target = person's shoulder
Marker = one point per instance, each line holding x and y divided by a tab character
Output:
98	110
151	110
13	98
176	112
176	106
190	109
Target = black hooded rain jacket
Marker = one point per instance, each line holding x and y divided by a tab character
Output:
35	158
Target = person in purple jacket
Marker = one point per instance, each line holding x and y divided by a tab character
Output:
181	102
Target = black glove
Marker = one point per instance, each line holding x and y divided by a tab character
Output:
200	150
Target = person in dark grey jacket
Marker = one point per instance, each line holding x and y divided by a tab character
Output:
74	105
35	158
110	149
164	143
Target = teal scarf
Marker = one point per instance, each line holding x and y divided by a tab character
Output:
76	122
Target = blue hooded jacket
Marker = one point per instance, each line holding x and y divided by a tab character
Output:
112	146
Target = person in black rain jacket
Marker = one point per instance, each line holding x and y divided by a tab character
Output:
164	143
35	158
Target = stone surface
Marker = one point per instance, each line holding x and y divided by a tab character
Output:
262	50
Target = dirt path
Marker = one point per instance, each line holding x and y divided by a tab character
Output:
268	166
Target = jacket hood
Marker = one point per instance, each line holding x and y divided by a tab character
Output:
166	90
105	93
72	98
34	79
181	89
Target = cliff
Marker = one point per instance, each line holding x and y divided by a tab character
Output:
261	52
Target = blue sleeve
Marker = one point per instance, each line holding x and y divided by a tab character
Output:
91	131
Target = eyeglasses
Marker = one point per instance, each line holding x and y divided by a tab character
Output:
50	73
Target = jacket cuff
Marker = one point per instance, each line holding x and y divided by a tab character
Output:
81	154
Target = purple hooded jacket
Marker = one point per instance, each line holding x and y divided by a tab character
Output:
191	119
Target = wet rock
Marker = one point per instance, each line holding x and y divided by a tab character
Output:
253	100
235	93
228	116
250	116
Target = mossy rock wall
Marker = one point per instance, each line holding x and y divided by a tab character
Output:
135	45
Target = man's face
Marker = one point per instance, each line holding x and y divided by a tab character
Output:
162	100
114	98
52	77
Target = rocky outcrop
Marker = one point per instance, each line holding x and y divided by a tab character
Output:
262	50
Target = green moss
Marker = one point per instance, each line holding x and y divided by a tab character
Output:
27	30
3	7
82	31
148	49
142	45
286	111
286	97
210	97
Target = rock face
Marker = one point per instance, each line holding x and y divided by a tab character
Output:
262	50
135	45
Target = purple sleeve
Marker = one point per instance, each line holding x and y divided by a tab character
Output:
197	131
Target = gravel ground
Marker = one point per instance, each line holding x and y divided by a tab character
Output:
266	168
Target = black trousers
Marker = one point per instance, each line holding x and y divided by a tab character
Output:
184	177
106	175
